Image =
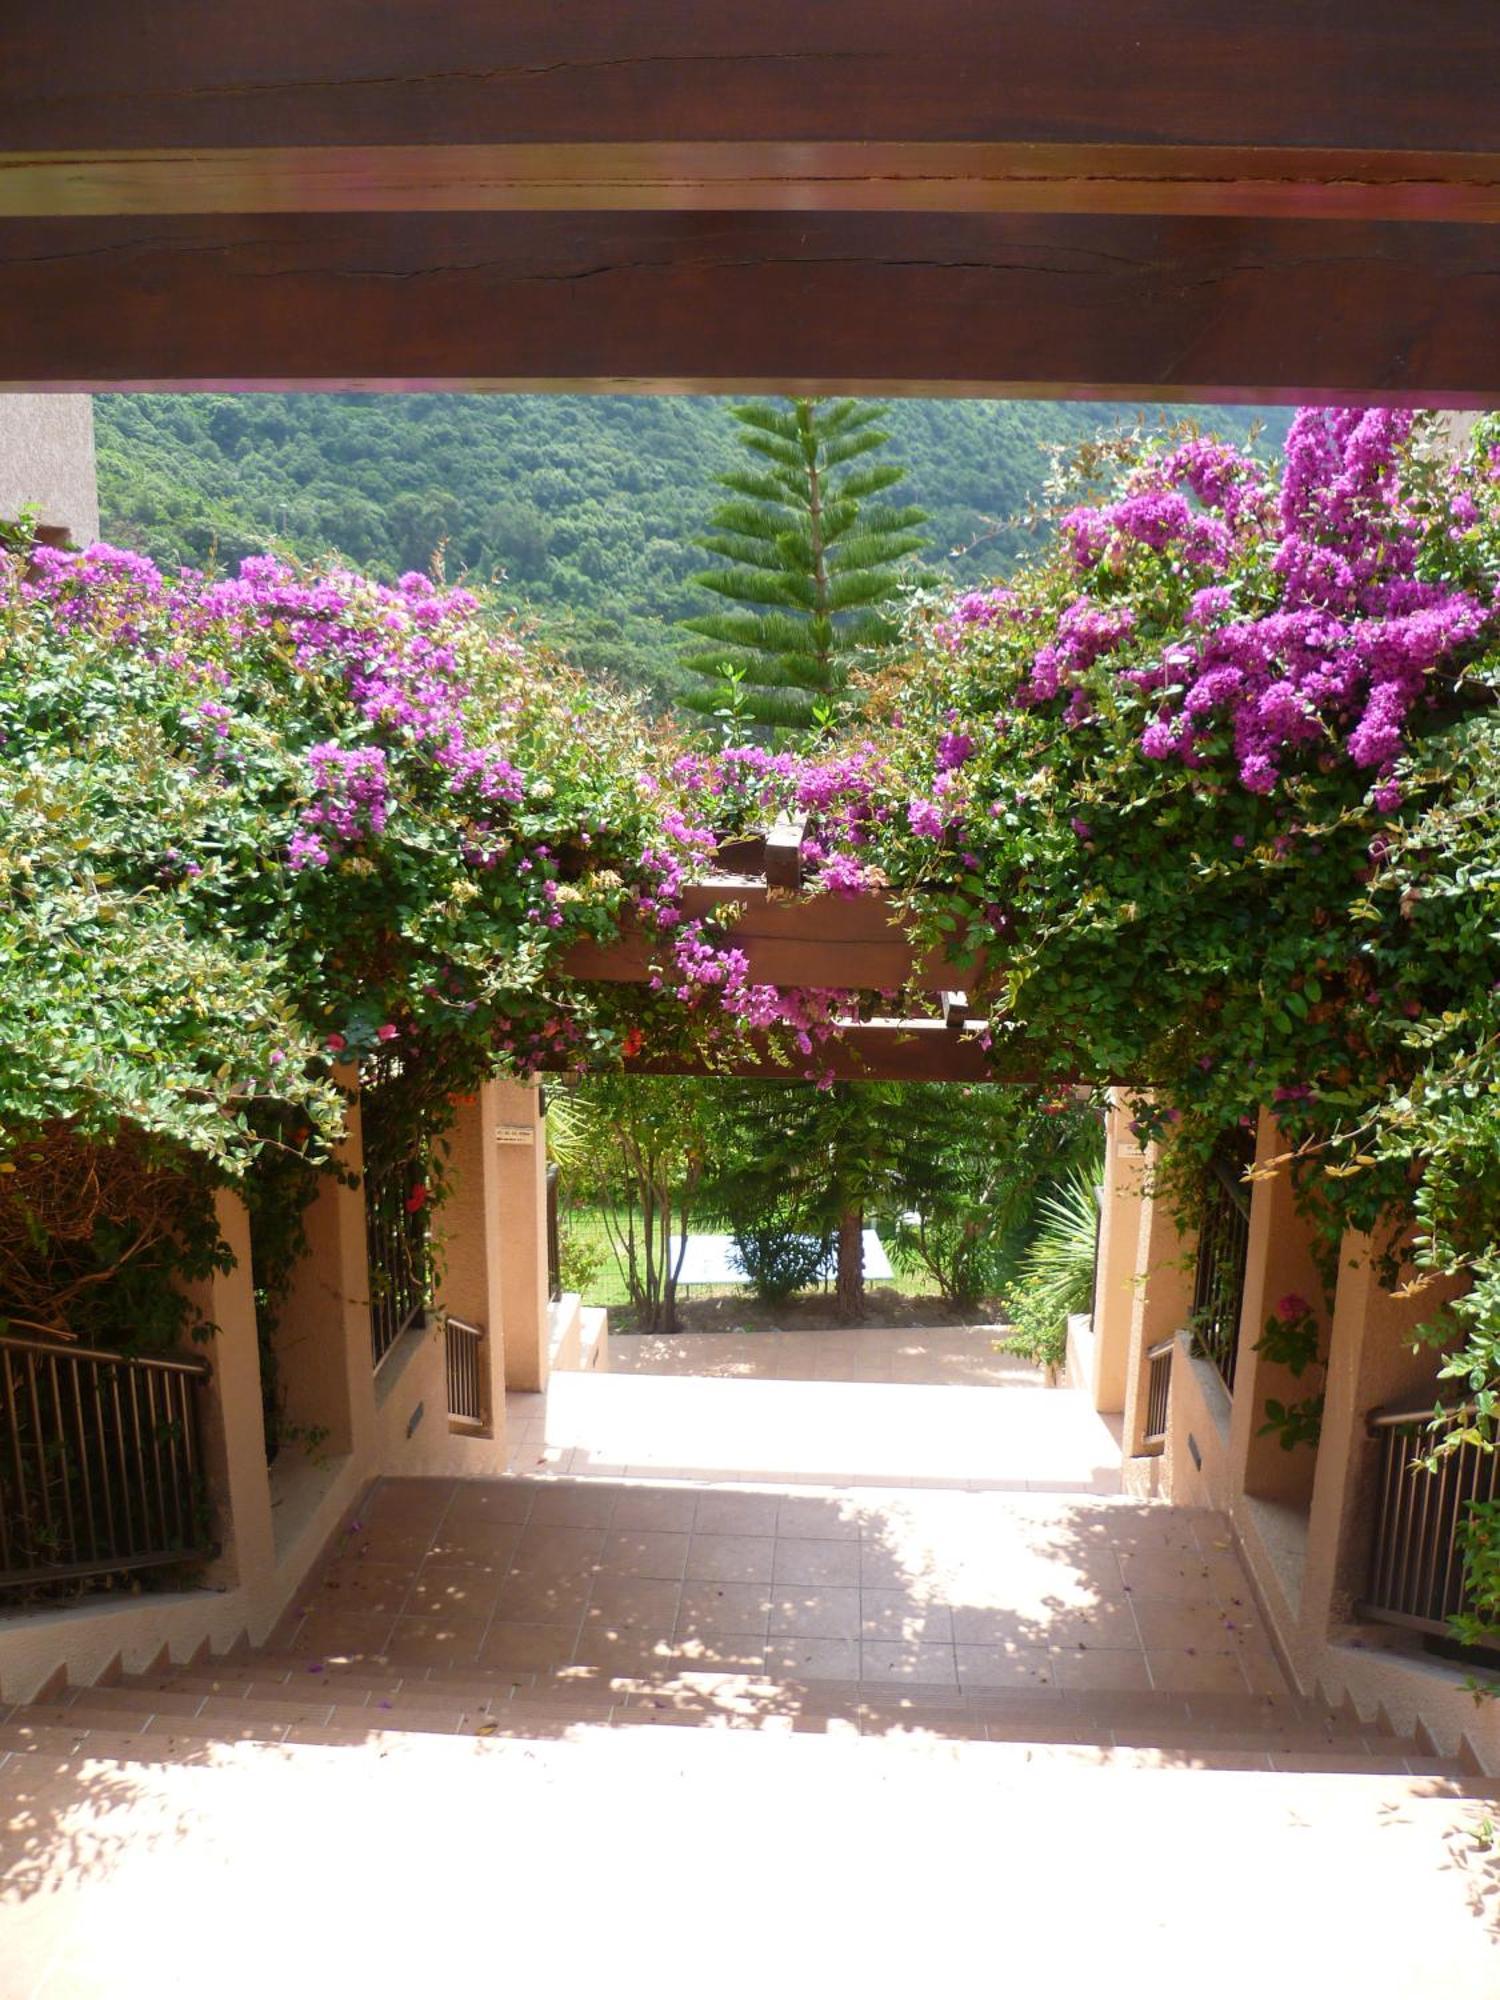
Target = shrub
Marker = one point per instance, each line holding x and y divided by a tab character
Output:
779	1258
1057	1272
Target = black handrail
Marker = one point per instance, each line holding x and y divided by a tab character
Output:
1416	1574
464	1351
1158	1394
1223	1246
554	1236
101	1462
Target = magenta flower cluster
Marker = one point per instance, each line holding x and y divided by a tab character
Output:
351	804
1306	626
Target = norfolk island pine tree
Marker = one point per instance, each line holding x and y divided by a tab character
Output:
810	567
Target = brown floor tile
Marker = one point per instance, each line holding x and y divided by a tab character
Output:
816	1562
366	1587
528	1646
819	1519
1195	1672
436	1641
344	1634
1111	1623
905	1616
658	1510
884	1660
452	1593
632	1601
707	1609
544	1599
1005	1666
997	1625
736	1514
814	1659
1169	1626
815	1611
650	1552
740	1652
498	1502
715	1558
569	1506
632	1651
1109	1670
481	1545
557	1551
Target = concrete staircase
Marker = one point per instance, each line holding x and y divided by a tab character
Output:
276	1698
397	1824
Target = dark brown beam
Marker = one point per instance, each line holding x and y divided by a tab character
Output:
1197	308
917	1052
1325	184
823	941
1350	74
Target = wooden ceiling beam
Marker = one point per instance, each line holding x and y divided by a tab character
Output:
905	1052
821	941
835	176
1362	76
1126	307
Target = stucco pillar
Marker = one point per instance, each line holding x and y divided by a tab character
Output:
1279	1259
514	1115
1119	1242
1372	1364
1161	1301
471	1225
47	465
234	1435
322	1339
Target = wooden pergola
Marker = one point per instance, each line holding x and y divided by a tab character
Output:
815	939
1167	198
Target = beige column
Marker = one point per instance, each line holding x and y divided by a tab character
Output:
1119	1242
520	1153
471	1226
322	1339
1279	1260
234	1436
1372	1364
1162	1298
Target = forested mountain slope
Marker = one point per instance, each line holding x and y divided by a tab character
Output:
583	506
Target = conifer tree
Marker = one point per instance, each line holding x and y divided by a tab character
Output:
809	566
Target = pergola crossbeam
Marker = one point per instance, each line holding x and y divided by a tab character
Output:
1291	201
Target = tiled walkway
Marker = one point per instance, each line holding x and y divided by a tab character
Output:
916	1407
920	1589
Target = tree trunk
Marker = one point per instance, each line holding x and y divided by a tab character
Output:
851	1267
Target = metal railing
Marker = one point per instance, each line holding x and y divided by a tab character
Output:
554	1237
101	1467
1416	1562
1219	1280
1158	1394
468	1400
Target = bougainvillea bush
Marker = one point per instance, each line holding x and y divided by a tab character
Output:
255	827
1208	797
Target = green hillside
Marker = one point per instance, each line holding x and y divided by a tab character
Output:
583	507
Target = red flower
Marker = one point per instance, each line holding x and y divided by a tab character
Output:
417	1199
633	1043
336	1042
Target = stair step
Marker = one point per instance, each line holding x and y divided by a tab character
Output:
168	1739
